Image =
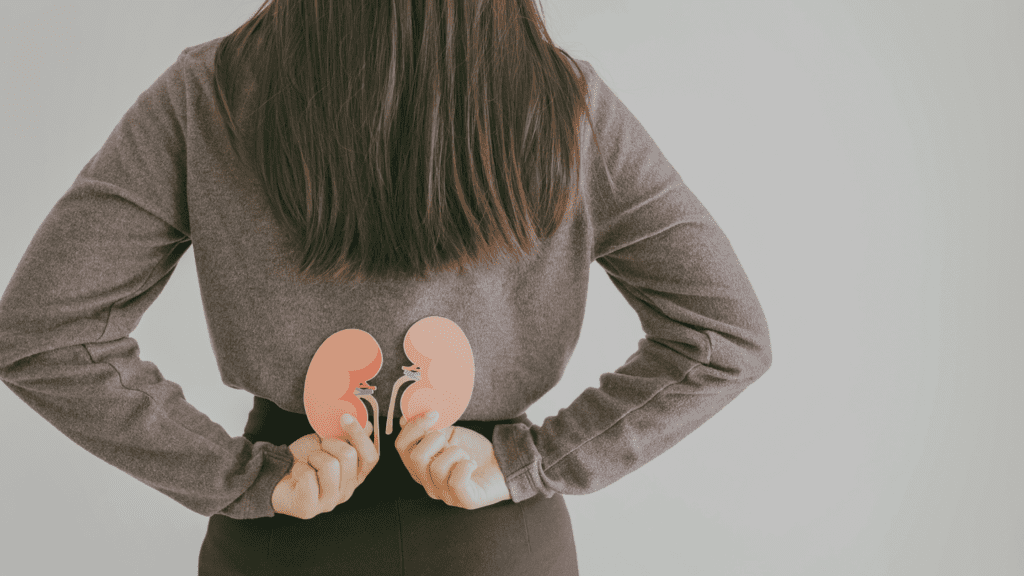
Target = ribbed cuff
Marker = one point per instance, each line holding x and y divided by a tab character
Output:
519	461
256	502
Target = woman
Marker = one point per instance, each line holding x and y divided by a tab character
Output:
364	165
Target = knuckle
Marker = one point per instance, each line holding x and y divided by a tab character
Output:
325	464
349	455
332	444
416	454
334	471
328	479
420	460
337	447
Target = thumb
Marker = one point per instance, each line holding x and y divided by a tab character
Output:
462	480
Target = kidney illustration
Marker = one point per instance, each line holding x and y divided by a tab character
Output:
441	375
336	381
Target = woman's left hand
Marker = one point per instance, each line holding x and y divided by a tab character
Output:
455	465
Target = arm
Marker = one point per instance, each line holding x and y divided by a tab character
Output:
98	261
706	337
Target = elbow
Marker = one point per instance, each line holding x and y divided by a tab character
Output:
760	356
753	365
740	360
763	359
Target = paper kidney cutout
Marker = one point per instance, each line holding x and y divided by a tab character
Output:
442	373
337	379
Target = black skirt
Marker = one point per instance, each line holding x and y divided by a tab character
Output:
390	526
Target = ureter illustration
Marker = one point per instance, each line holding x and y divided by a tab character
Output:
366	395
410	376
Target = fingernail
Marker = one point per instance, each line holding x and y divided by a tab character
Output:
347	419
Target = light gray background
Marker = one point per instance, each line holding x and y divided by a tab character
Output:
865	160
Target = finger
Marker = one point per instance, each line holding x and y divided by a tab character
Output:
303	446
303	499
462	487
367	454
402	421
368	428
328	477
422	454
442	464
413	432
348	459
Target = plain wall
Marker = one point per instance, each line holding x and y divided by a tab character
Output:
865	161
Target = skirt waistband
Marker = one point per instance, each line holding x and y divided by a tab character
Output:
389	480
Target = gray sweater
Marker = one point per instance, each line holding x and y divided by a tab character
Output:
164	181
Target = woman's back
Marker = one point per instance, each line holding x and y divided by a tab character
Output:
167	179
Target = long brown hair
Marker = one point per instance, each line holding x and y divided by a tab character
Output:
404	137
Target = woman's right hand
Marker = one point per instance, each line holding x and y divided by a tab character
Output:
326	471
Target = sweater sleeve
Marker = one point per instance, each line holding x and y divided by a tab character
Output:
99	259
706	337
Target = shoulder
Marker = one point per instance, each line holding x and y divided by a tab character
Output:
199	58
